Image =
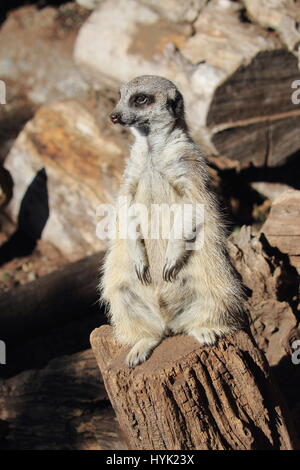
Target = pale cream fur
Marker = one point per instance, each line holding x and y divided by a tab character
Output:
205	299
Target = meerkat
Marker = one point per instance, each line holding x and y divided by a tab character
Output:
156	287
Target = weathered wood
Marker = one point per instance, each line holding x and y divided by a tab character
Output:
282	227
62	406
64	295
251	116
187	397
271	285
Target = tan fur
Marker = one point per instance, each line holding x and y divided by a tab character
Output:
205	299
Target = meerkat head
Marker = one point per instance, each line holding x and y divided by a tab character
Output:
148	103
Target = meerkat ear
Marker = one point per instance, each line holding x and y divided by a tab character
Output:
175	102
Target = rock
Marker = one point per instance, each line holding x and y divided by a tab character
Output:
62	406
269	190
36	52
63	166
36	63
5	188
176	10
89	4
135	37
281	15
255	123
271	287
282	227
13	115
2	196
43	260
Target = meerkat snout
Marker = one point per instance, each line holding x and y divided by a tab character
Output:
147	103
115	118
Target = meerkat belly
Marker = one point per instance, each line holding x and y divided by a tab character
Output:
156	195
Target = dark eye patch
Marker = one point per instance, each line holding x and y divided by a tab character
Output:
140	100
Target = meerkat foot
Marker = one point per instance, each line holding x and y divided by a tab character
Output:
140	351
206	336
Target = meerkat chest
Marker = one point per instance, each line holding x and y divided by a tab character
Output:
154	187
155	178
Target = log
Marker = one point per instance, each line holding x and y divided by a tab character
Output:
62	406
55	299
187	397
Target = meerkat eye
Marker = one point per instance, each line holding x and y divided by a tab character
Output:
141	99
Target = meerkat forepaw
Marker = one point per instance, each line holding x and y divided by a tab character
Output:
143	274
140	351
171	269
170	272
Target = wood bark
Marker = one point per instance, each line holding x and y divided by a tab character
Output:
187	397
62	296
251	116
272	289
62	406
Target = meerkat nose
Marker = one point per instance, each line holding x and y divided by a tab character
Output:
115	118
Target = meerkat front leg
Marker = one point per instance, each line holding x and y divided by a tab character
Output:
137	249
136	245
185	229
176	257
139	256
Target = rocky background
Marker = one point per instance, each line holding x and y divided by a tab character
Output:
62	63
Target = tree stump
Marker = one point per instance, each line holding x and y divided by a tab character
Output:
190	397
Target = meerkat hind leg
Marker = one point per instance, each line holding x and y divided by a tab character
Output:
136	324
141	351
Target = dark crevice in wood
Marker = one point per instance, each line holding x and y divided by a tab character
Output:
270	401
205	403
288	289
